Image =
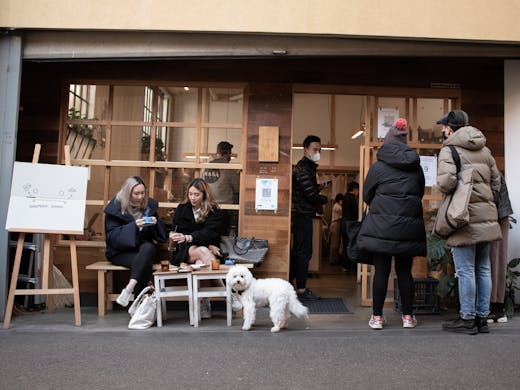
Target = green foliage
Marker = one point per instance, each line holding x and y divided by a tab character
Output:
512	276
159	147
437	252
85	130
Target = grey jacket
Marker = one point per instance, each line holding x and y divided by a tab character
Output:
502	200
470	144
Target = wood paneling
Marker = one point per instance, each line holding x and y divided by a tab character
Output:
269	105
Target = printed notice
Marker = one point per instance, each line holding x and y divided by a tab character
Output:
47	198
266	194
385	119
429	167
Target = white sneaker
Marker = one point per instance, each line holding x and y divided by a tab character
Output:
205	308
236	305
376	322
124	297
409	321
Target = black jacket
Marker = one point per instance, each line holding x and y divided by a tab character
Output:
204	233
393	189
502	200
350	207
123	235
306	198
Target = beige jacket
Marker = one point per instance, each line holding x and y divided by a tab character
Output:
470	144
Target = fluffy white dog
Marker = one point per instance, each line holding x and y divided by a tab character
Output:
277	293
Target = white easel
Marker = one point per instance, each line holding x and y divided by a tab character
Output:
47	265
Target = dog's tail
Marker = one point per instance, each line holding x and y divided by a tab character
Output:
296	308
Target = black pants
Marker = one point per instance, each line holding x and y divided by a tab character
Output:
301	251
140	263
403	269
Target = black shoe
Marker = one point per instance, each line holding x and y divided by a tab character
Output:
461	326
482	325
308	295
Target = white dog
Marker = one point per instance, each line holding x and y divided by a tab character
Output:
277	293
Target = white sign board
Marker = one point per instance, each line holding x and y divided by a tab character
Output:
266	194
429	167
47	198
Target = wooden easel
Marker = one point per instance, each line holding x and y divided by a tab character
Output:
47	266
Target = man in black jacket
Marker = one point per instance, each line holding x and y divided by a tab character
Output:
306	202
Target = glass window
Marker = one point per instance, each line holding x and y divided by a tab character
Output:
222	105
129	143
179	143
178	104
428	112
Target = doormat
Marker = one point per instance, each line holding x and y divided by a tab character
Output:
327	306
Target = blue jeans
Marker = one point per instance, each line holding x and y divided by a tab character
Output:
473	269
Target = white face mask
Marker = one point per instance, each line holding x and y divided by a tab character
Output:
315	157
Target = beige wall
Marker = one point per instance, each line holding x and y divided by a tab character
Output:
461	19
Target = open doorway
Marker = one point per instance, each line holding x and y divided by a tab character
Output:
335	118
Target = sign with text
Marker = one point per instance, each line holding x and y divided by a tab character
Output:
47	198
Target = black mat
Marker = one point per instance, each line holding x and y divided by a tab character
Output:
327	306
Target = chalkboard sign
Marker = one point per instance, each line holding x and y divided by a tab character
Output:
47	198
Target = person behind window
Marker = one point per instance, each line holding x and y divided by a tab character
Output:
224	183
470	245
197	230
394	225
133	229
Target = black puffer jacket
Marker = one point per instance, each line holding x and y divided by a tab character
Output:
306	198
123	235
393	189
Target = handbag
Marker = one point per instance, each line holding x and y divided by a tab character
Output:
143	311
354	252
244	249
453	213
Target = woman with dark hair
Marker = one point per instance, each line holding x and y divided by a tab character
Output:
394	225
133	229
197	230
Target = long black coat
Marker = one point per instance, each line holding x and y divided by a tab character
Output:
393	189
123	235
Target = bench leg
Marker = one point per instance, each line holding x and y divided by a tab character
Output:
101	293
196	302
157	285
109	289
229	310
190	300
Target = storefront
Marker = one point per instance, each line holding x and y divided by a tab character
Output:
157	105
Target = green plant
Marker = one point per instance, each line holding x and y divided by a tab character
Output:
440	262
512	276
159	147
85	130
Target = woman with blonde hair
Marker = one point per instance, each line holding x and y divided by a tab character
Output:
133	229
197	230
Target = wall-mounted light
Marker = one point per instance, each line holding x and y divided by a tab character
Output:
360	131
186	88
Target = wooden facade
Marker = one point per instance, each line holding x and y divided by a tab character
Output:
270	84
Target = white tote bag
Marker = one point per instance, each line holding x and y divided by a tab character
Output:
143	311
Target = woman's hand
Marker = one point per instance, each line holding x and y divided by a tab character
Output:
179	237
215	250
146	221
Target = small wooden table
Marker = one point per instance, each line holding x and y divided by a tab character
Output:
162	292
211	292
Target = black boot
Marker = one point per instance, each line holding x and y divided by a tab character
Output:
461	326
482	325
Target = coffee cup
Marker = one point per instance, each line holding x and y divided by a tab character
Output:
215	264
165	265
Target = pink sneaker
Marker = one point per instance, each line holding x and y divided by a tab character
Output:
376	322
409	321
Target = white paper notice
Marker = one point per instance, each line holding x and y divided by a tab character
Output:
385	119
266	194
47	198
429	167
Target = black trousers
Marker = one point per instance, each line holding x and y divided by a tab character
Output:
140	263
403	269
301	251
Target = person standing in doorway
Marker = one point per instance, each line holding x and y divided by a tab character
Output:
470	244
394	225
306	202
350	213
334	230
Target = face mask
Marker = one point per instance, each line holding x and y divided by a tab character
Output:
315	157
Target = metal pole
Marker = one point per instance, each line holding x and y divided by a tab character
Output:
10	77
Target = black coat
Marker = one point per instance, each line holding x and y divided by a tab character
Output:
306	198
204	233
393	189
123	235
350	208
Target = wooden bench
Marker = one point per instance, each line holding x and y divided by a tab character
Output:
105	288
